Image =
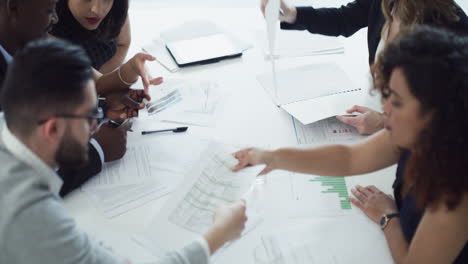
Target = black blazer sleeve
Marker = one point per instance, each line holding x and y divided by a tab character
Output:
3	70
343	21
74	178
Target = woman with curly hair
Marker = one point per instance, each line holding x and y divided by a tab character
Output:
422	77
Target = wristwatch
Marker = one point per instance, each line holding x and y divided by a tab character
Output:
386	218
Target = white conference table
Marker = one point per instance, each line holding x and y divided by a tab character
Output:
249	117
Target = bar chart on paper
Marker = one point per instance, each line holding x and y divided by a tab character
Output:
318	196
336	185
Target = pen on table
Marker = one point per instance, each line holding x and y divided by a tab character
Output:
117	124
175	130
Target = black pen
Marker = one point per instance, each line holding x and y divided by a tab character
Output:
175	130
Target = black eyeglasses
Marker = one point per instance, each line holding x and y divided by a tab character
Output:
95	115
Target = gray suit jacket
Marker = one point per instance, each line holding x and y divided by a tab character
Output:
35	227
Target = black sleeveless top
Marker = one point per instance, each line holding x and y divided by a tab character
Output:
410	214
99	51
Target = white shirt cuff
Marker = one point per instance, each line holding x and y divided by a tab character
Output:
205	247
98	149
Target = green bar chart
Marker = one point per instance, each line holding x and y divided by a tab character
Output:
336	185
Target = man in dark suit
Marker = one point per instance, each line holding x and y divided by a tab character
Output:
23	21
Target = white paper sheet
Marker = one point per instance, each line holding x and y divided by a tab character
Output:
216	185
292	43
325	240
199	104
133	168
308	82
325	131
144	162
317	196
116	201
210	184
151	171
312	110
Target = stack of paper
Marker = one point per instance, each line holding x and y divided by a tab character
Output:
193	102
146	172
209	185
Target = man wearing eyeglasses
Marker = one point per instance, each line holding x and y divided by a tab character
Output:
47	129
24	21
50	128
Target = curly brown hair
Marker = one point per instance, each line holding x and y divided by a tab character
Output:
414	12
435	65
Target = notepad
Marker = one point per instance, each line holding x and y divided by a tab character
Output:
313	92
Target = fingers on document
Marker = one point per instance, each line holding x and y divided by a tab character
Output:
242	157
356	202
360	196
373	189
350	120
358	109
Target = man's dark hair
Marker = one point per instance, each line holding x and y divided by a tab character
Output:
46	78
435	65
112	24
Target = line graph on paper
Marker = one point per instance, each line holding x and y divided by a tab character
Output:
216	185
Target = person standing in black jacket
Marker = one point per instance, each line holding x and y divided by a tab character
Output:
22	22
382	18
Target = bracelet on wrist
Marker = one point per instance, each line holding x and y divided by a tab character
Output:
122	80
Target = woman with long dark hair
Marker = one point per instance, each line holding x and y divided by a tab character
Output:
422	77
101	27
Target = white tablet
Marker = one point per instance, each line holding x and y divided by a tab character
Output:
202	50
